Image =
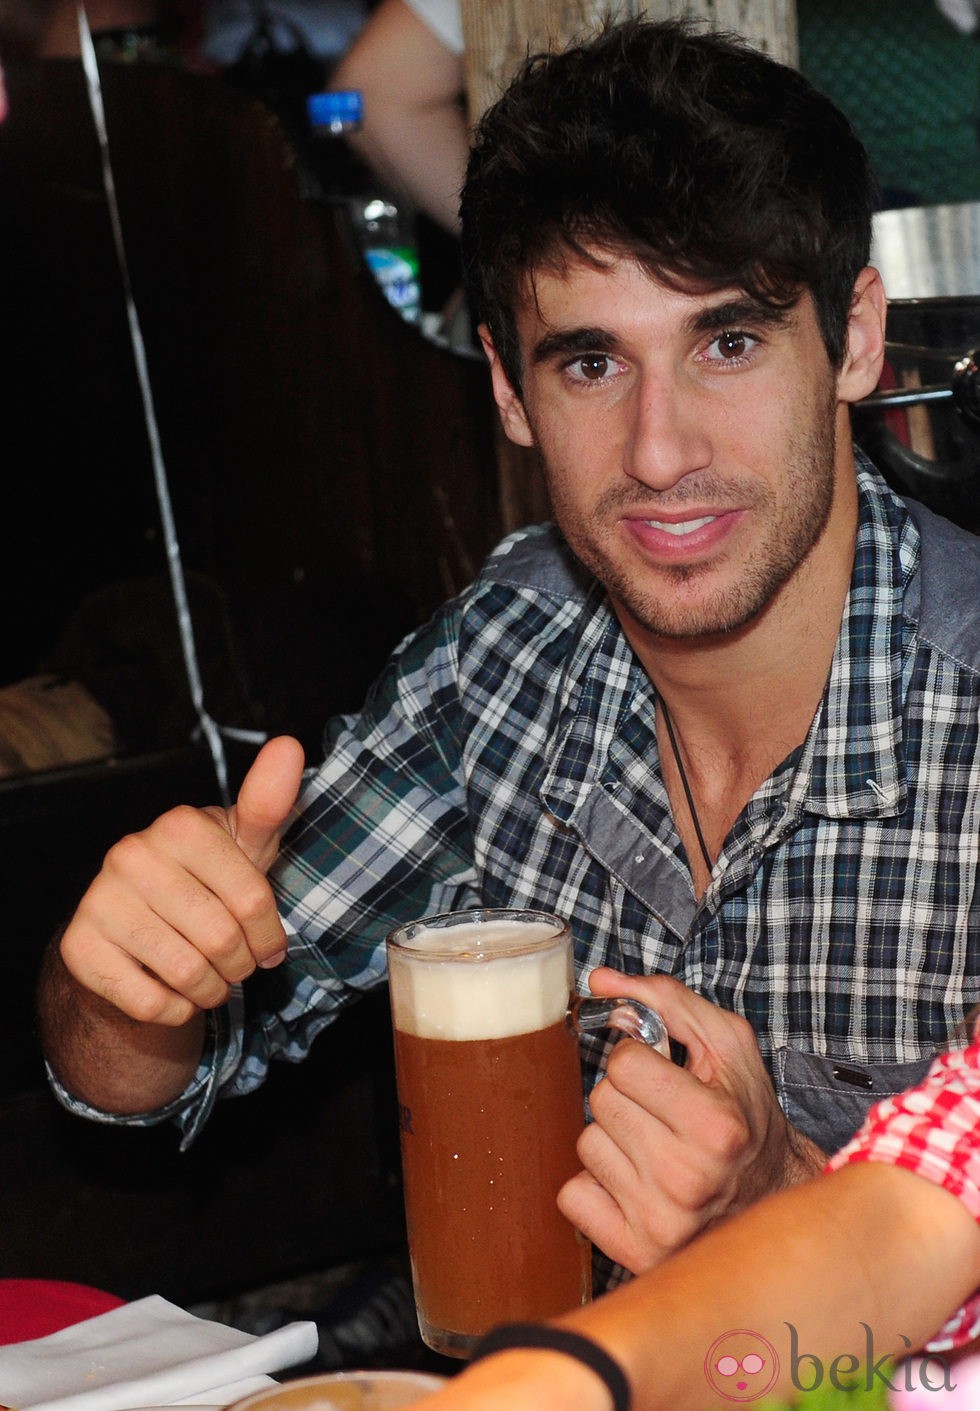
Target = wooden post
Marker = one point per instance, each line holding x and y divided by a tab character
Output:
499	34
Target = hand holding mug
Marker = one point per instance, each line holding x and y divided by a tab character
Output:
672	1150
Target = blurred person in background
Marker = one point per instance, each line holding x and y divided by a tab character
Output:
279	51
276	50
322	29
407	61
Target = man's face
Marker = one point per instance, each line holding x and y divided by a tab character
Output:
689	441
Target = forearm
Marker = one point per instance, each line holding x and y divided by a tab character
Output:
420	153
870	1245
104	1057
414	132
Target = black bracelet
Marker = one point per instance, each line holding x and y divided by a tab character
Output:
583	1349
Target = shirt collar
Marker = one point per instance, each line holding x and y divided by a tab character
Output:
855	747
601	680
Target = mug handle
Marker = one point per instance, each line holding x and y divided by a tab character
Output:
588	1016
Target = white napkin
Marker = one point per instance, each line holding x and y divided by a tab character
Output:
146	1353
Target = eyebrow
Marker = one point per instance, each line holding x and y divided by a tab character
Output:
564	342
732	313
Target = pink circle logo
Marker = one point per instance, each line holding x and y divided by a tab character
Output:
741	1365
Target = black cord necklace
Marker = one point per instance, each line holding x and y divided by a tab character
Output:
687	788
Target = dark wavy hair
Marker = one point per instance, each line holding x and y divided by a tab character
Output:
704	159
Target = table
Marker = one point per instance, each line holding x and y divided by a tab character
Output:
32	1308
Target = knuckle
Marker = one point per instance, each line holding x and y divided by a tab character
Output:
153	1006
127	856
741	1025
594	1153
585	1147
78	944
572	1199
629	1062
180	822
698	1190
221	942
730	1134
741	1035
600	1098
254	900
187	970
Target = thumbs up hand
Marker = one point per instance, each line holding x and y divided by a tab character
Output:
183	909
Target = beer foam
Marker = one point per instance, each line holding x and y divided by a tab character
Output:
475	997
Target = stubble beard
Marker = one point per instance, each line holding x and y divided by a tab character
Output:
673	608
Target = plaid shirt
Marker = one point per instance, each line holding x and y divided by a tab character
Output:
508	758
933	1130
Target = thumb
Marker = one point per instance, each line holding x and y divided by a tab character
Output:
686	1015
607	983
266	798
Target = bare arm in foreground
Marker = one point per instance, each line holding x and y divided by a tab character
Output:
871	1244
177	914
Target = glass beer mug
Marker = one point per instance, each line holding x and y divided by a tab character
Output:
486	1030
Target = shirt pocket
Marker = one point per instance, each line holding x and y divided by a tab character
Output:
828	1098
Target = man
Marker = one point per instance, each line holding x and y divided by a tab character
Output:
725	717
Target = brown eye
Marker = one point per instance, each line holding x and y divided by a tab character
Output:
732	344
594	367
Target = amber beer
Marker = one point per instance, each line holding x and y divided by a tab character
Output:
490	1097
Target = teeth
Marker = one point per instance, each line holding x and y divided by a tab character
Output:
686	526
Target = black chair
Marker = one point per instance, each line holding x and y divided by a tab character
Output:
332	475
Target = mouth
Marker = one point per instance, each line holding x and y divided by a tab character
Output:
680	527
682	538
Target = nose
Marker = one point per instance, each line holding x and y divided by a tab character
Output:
669	435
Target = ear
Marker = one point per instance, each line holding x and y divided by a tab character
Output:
865	350
509	404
